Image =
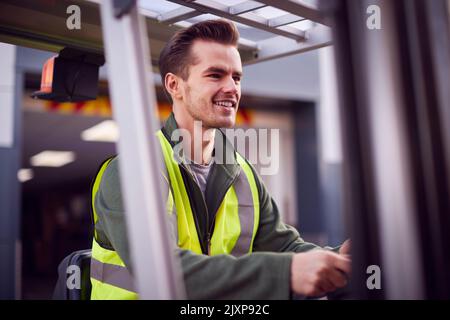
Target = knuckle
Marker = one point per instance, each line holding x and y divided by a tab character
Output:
321	273
316	279
322	269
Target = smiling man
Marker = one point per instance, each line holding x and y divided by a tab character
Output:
203	80
230	239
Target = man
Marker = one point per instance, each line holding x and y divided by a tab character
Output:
231	241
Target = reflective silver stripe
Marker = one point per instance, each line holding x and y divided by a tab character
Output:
246	215
111	274
168	192
173	218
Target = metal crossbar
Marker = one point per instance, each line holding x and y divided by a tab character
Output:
248	18
266	35
178	14
297	8
287	39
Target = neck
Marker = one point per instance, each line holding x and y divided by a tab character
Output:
200	147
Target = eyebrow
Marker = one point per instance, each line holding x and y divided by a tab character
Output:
222	71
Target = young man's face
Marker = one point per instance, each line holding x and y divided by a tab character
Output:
212	90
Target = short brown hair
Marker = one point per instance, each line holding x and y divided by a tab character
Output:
175	56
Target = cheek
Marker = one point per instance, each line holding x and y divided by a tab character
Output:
208	92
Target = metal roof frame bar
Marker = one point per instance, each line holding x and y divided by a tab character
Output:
178	14
287	40
246	6
278	47
298	9
284	20
247	18
16	29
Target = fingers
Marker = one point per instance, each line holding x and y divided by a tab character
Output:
333	276
345	247
327	285
337	278
318	272
343	263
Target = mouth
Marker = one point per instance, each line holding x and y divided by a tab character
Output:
228	104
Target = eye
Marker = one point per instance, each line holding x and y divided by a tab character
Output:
214	75
237	79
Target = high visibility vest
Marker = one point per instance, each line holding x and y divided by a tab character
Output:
236	224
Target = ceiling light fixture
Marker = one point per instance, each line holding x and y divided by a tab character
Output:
50	158
105	131
24	175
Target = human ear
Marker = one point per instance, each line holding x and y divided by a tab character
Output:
173	85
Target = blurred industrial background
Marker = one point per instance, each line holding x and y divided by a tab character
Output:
363	127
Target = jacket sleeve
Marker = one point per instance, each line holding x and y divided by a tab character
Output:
274	235
259	275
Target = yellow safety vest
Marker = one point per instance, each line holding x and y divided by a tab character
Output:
235	227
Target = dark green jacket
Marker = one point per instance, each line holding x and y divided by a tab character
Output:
264	274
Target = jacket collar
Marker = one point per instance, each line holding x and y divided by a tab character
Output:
224	152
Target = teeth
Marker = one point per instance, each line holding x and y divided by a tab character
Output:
228	104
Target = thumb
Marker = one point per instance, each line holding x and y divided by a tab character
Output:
345	248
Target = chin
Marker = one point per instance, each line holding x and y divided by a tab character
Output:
226	123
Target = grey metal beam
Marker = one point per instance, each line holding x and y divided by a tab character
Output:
148	13
300	34
297	8
284	20
178	14
246	44
277	47
248	18
246	6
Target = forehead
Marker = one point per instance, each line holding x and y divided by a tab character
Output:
208	53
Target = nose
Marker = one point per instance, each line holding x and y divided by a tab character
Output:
230	86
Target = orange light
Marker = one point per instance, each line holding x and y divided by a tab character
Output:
47	75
